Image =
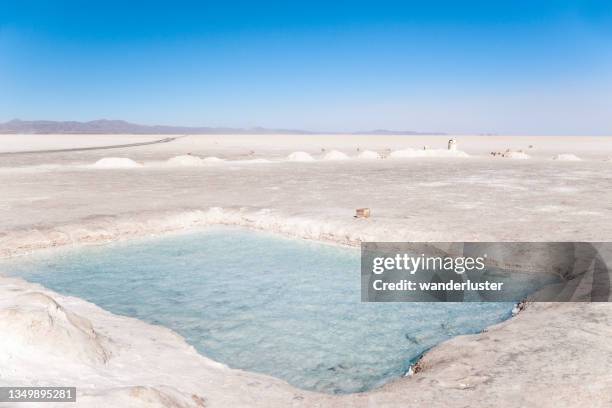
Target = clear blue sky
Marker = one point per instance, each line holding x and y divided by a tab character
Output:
516	67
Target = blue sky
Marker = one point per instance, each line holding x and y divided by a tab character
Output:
515	67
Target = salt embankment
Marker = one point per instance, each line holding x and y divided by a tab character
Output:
349	232
102	229
40	326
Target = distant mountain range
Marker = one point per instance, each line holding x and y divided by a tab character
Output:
105	126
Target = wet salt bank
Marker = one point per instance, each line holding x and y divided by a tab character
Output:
262	303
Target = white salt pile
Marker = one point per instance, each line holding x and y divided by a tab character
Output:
335	155
516	155
368	154
212	160
566	157
116	163
412	153
185	160
300	157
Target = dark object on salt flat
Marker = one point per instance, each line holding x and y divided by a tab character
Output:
362	213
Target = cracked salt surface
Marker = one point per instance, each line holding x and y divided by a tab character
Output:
260	302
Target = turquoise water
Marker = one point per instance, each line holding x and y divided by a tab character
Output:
283	307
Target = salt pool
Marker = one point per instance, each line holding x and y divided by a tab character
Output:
259	302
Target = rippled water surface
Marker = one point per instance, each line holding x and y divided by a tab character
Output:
259	302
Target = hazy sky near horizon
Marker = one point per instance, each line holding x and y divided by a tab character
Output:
508	67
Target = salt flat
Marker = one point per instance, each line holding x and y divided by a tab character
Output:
550	355
475	198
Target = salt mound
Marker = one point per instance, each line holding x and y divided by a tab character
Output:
185	160
212	160
412	153
368	154
34	323
566	157
335	155
300	157
116	163
517	155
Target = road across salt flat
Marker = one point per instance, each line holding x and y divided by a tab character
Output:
82	149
